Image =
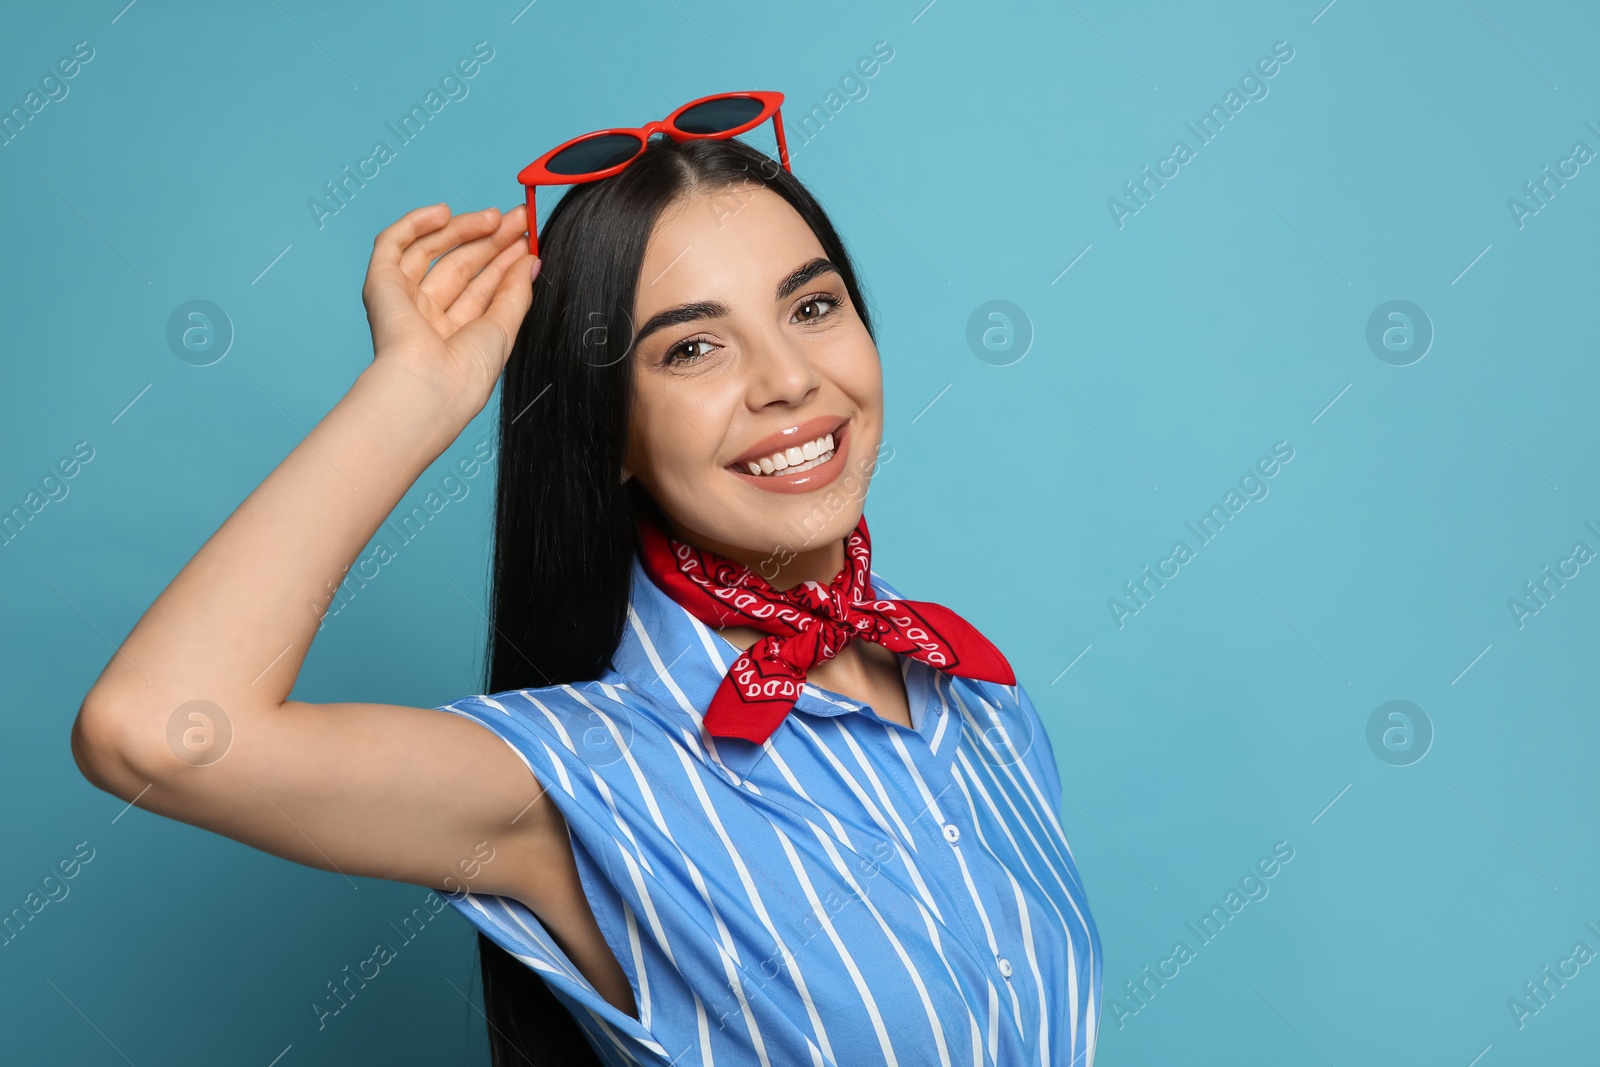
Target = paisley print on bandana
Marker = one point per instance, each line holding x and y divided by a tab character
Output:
804	625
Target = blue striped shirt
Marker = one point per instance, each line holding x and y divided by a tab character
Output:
851	891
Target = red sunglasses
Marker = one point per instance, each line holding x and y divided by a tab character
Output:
606	152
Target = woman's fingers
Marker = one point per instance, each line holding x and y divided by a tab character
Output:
392	310
450	276
475	298
460	229
475	295
496	329
389	295
514	295
394	239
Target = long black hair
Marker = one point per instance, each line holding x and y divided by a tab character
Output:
564	525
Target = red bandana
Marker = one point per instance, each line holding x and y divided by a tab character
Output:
806	625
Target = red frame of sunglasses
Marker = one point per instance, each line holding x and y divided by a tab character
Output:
536	173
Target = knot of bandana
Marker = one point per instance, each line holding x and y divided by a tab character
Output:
804	625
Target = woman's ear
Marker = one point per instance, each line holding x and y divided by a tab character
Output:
625	474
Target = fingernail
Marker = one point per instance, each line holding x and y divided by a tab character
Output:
537	263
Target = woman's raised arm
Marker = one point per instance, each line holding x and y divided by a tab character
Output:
391	792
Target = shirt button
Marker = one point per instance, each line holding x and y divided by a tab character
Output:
952	832
1005	966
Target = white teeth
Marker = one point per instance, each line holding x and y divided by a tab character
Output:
794	459
808	464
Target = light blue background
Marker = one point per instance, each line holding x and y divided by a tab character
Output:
1228	314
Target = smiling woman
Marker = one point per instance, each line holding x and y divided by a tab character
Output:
747	802
767	369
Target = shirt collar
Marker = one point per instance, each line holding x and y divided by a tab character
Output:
678	661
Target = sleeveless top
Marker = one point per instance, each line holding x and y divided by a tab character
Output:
851	891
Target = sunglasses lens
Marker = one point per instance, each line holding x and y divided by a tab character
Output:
597	153
715	116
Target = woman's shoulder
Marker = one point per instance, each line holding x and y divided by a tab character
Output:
600	740
553	703
883	586
592	722
580	742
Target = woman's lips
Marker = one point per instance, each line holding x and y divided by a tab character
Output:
806	481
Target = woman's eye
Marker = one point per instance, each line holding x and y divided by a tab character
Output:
673	354
687	352
813	304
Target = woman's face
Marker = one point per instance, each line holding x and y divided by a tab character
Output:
748	347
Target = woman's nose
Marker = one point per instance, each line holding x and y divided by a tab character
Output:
781	371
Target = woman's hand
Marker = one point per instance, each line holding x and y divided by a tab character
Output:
452	323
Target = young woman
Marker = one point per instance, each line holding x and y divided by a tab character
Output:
728	797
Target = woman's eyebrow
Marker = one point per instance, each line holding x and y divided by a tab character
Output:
803	274
714	309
